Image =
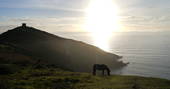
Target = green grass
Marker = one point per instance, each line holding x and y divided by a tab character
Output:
61	79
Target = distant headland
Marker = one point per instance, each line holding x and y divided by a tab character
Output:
66	53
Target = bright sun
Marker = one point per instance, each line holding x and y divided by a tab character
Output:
102	20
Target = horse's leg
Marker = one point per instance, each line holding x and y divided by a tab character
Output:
108	71
103	72
94	71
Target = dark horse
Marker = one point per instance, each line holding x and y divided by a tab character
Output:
101	67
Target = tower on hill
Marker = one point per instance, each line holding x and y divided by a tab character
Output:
24	25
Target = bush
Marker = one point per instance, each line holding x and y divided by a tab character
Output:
7	69
4	84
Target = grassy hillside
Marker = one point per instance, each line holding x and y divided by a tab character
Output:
21	71
24	65
10	54
71	54
59	79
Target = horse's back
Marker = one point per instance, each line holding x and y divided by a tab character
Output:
100	66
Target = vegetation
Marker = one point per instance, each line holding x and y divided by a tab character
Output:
56	78
21	69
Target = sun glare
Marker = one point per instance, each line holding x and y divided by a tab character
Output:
102	20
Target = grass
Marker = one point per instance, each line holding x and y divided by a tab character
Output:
55	78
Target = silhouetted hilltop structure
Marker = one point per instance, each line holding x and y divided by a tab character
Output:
67	53
24	25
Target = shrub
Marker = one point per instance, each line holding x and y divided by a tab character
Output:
7	69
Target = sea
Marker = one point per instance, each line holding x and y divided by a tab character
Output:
147	52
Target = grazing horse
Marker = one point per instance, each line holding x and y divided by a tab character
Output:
101	67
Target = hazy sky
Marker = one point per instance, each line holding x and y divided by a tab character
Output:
69	15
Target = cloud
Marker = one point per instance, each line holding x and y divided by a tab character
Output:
69	24
64	5
68	15
145	23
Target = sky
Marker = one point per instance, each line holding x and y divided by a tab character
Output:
69	15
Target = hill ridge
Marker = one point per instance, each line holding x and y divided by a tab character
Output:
69	53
